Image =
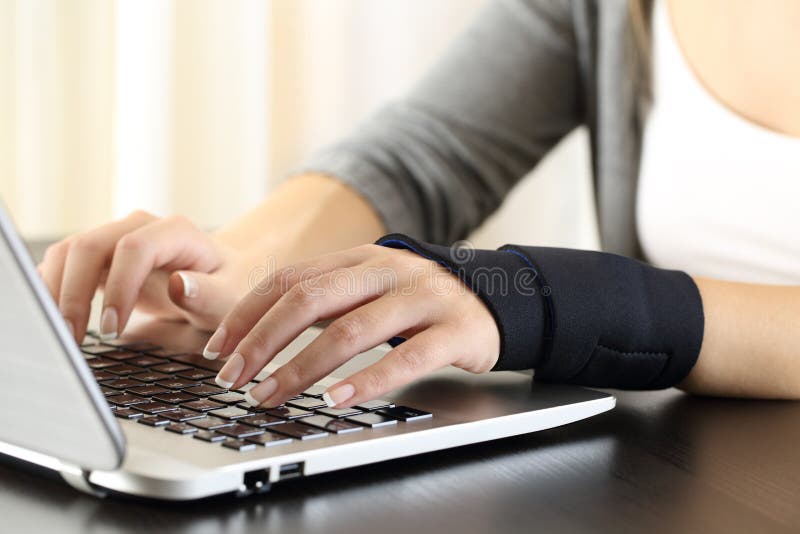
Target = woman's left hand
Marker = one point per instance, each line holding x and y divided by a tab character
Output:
373	293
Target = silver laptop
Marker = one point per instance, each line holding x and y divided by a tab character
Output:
142	416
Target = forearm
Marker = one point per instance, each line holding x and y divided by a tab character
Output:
751	344
305	216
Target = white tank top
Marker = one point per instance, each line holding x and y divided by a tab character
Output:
719	196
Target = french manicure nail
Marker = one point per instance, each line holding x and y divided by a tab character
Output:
70	327
109	322
230	371
190	288
338	395
261	392
214	345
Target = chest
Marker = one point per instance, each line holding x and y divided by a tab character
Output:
746	54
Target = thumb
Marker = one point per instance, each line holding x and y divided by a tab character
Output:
204	297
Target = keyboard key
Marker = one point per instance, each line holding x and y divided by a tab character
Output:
121	355
262	420
127	413
163	353
103	375
202	405
177	383
171	367
330	424
268	439
182	415
228	398
154	407
372	420
404	413
101	363
315	391
210	423
97	350
240	431
197	360
174	397
124	370
338	412
126	399
205	390
288	412
307	403
298	431
230	413
208	435
238	445
121	383
195	374
150	376
153	420
375	404
109	392
135	346
180	428
146	361
147	390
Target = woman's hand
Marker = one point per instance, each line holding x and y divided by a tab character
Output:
164	266
377	293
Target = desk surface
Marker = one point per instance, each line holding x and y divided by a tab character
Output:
659	462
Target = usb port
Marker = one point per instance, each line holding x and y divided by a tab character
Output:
291	470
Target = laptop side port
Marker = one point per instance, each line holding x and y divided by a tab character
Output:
255	481
292	470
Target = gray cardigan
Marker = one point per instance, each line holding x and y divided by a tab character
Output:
521	77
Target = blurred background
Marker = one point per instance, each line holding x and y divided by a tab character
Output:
201	106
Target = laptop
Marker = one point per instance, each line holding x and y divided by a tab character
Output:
141	416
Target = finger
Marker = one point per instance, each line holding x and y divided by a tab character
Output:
353	333
302	306
88	255
422	354
169	243
204	295
52	267
241	320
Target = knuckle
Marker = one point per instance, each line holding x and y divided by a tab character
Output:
88	244
377	381
301	295
131	242
177	220
345	331
56	251
410	360
255	342
292	373
139	214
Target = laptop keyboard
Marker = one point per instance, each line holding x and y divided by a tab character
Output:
171	391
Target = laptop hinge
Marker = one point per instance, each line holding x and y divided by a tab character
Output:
79	479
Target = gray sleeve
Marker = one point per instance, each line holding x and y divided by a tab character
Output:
436	163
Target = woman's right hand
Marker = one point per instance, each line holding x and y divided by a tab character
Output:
164	266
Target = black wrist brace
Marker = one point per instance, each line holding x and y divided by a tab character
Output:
582	317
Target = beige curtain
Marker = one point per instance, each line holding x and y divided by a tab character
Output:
190	106
200	106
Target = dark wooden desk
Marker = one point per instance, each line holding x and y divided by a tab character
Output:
660	462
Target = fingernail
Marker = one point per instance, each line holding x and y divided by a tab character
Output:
230	371
190	288
338	395
108	324
258	394
214	345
